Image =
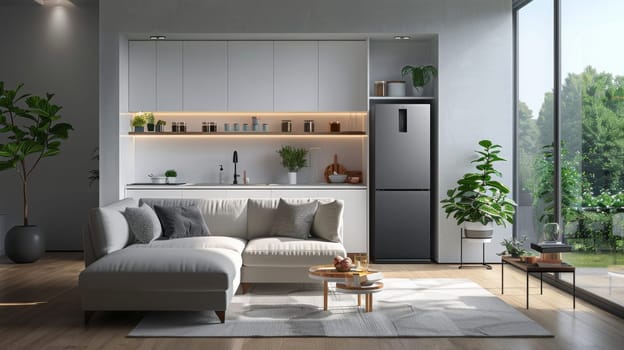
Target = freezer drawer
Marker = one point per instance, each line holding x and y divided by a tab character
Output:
401	226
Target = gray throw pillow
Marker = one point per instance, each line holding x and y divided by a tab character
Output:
328	221
143	223
293	220
179	222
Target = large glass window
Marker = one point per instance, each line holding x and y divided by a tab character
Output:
591	140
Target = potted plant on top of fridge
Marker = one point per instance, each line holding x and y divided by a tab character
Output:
421	76
293	159
478	201
34	132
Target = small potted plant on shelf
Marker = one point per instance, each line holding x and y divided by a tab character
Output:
160	125
479	200
421	76
171	175
514	247
138	122
149	117
293	159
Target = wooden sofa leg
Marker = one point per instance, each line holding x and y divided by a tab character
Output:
87	317
221	315
245	287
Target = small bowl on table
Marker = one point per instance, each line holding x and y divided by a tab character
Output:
337	178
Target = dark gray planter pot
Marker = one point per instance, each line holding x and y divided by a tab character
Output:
24	244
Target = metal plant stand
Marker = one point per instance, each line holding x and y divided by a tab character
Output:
461	251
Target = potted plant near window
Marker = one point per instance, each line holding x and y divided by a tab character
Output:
293	159
34	132
478	201
138	122
171	176
421	76
514	247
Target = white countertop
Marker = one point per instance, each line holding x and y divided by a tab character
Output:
205	186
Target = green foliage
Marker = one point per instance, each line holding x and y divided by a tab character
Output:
139	120
514	247
293	158
33	131
421	75
478	196
161	122
171	173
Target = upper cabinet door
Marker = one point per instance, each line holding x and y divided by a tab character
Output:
342	76
169	76
250	76
141	76
205	76
296	76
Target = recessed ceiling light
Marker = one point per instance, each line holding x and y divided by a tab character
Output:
55	3
402	37
157	37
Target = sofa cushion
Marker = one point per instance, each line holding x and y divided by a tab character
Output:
231	243
293	220
178	222
328	221
109	229
163	270
227	217
260	214
143	222
286	251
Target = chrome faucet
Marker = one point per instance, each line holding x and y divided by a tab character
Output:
235	160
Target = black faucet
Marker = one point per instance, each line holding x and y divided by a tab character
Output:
235	160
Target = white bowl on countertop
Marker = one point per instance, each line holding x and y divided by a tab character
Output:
337	178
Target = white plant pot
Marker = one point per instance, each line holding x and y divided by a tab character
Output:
418	90
292	178
478	230
171	180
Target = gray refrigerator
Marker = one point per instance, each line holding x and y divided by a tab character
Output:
401	183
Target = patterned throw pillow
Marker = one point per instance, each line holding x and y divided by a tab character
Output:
179	222
293	220
143	222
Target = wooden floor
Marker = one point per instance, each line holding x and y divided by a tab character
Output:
40	309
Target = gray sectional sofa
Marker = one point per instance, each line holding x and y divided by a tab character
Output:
198	273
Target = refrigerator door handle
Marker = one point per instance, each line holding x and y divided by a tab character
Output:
402	120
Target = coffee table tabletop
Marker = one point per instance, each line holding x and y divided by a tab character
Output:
328	273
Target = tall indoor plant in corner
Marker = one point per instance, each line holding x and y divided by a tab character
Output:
479	200
30	132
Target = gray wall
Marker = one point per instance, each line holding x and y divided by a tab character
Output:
55	49
475	68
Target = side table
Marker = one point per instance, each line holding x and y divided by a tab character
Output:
461	249
529	268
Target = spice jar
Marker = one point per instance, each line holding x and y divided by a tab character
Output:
380	88
212	127
308	125
174	126
204	127
181	127
286	125
334	126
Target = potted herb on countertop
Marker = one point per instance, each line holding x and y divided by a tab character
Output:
171	175
421	76
293	159
478	201
149	118
138	122
34	132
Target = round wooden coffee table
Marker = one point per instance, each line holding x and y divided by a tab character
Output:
328	273
368	291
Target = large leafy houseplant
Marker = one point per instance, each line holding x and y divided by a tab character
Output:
30	131
421	76
478	196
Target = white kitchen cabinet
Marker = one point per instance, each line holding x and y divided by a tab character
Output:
153	193
355	226
276	193
250	76
169	76
296	76
197	193
205	76
342	76
249	194
141	76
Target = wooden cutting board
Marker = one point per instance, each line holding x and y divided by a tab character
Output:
334	167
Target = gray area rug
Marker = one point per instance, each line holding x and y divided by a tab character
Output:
405	308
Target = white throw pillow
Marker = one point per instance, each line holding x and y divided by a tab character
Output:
328	221
144	224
